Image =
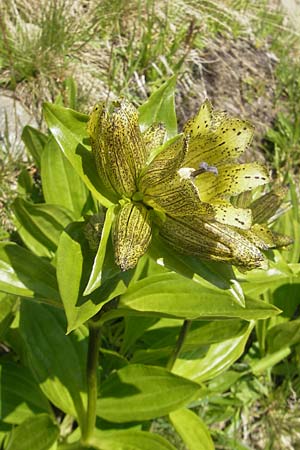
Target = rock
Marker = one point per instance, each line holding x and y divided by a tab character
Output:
13	118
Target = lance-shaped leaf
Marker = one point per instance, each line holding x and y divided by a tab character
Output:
160	107
40	225
74	265
38	433
131	235
69	129
22	273
61	375
171	295
192	430
97	274
129	439
219	357
8	306
21	396
159	341
35	142
207	273
138	392
61	183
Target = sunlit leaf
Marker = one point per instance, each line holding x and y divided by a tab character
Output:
61	183
160	107
192	430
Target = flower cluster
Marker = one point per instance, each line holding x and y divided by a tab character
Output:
185	184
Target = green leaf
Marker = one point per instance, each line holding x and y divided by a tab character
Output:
25	183
71	90
268	361
130	440
40	225
171	295
56	360
69	130
21	396
209	274
7	309
192	430
97	274
159	340
35	142
22	273
133	330
218	358
138	392
283	335
73	277
38	433
257	282
160	108
61	183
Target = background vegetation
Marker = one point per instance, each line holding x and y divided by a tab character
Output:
243	55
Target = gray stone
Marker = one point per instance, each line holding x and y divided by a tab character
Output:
13	118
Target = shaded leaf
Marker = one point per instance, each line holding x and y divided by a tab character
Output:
22	273
35	142
40	225
138	392
38	433
21	396
61	375
7	309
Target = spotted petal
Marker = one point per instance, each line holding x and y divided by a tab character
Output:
267	205
225	212
265	239
232	179
177	197
202	123
131	235
216	138
165	164
154	138
212	241
118	146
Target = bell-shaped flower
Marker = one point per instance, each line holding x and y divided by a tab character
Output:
187	182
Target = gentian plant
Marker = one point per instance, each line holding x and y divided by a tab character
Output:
120	300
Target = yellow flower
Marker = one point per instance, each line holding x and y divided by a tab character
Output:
187	181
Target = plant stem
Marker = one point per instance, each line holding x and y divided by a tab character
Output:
180	341
92	381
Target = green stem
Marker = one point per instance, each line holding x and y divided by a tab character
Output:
92	382
180	341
